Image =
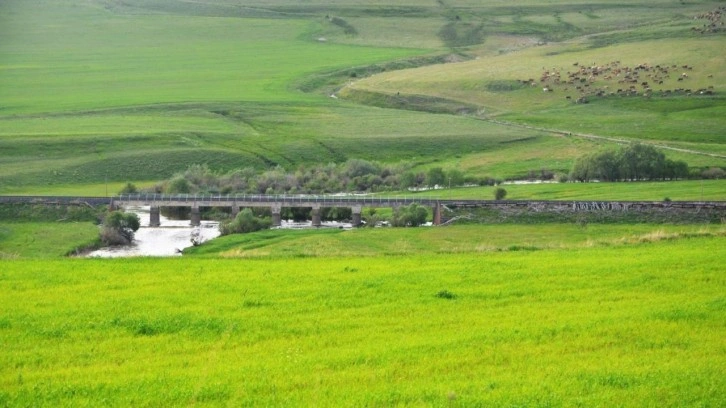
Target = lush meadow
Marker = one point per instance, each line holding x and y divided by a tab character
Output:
638	325
95	92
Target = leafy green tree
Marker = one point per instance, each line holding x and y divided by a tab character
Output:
411	216
119	228
455	177
435	176
245	222
129	188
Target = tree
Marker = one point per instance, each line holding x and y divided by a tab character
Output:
500	193
119	228
129	188
244	222
455	177
435	176
411	216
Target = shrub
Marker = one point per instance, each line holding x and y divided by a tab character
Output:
500	193
713	173
245	222
129	188
411	216
445	294
119	228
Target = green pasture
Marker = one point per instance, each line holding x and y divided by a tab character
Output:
107	92
45	240
464	239
481	82
636	325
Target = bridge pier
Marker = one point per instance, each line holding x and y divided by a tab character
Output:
357	215
316	216
154	216
276	215
235	210
196	216
437	214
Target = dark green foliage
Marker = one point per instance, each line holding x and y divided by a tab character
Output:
245	222
119	228
347	28
504	86
633	162
40	213
458	34
129	188
500	193
445	294
355	175
435	177
411	216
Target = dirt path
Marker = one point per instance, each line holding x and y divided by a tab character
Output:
596	137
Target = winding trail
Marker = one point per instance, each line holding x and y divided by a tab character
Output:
596	137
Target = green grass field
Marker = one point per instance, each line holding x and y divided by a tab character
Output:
639	325
44	240
95	92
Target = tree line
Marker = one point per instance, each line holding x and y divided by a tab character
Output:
634	162
354	175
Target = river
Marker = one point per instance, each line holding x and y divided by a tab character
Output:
174	235
167	240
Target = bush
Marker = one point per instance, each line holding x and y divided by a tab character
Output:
500	193
713	173
129	188
119	228
411	216
245	222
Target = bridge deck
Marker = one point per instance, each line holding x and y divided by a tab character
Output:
246	200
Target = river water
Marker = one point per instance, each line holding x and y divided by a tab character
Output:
167	240
174	235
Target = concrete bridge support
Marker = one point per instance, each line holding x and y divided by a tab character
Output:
154	216
357	215
196	216
437	214
276	215
235	210
316	216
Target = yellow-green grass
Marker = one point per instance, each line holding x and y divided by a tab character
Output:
376	242
45	240
639	325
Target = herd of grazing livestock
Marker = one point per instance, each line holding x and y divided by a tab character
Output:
714	21
616	79
583	82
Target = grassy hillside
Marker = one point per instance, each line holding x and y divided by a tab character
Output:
611	326
107	91
441	240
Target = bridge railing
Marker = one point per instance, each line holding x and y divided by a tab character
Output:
266	198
